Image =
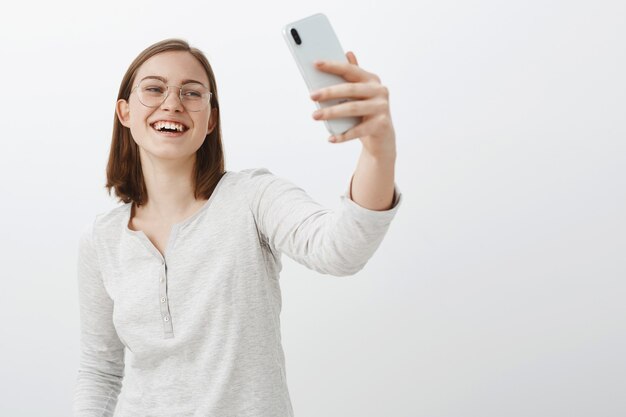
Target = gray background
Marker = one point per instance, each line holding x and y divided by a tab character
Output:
499	289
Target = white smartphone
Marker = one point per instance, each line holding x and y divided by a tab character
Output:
311	39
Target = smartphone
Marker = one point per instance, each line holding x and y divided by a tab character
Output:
311	39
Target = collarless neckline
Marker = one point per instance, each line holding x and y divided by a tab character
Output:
129	207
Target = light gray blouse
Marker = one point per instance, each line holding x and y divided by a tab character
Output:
196	332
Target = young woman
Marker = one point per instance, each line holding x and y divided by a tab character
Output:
178	287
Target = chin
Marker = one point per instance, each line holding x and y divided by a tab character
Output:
168	152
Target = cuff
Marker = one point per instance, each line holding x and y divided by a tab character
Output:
382	216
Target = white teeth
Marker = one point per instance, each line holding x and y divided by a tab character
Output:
168	125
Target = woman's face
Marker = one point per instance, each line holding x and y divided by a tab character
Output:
174	67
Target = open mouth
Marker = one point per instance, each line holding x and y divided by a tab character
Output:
164	126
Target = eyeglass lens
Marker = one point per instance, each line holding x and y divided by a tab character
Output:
153	92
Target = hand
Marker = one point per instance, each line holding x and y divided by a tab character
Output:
370	101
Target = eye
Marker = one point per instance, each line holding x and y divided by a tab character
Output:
192	94
194	91
153	89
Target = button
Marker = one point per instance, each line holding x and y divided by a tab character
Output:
166	318
161	280
162	299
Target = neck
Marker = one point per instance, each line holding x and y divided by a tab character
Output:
170	186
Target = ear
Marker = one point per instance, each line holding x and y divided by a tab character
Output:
123	112
212	121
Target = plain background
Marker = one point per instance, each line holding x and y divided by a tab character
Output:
499	289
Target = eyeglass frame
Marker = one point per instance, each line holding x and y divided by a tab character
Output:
180	94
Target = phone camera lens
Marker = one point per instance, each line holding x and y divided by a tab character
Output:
296	36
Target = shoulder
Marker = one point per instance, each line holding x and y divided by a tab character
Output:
105	222
255	185
112	218
250	180
249	175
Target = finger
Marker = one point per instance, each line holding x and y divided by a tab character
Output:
352	58
349	109
349	90
347	70
356	132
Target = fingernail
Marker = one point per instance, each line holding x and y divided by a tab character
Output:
332	139
315	95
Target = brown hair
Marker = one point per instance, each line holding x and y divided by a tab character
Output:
124	172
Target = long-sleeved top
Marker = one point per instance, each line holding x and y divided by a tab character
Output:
196	331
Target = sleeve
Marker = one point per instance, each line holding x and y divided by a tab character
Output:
101	366
337	242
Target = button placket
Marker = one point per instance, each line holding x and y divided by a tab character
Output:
163	301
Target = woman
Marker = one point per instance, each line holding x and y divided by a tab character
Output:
183	276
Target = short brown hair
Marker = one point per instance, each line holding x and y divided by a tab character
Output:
124	172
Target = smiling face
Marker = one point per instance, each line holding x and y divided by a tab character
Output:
168	131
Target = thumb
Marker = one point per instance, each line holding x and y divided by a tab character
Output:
352	58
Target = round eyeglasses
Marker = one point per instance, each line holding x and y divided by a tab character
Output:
152	92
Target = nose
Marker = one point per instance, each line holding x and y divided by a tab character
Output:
172	100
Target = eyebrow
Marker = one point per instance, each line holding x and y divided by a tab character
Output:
156	77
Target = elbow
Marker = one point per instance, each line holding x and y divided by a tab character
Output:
345	269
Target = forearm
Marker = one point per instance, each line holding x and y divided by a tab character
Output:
373	181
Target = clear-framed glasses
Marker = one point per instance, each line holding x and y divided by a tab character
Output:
152	92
